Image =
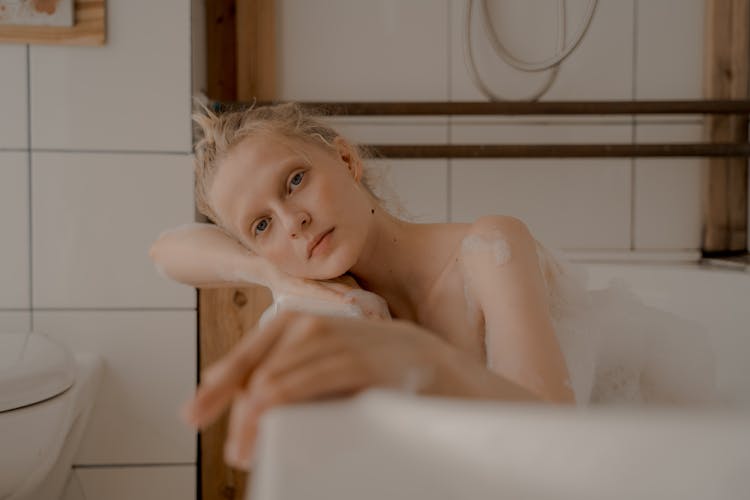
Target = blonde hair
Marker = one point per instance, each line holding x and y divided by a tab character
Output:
219	132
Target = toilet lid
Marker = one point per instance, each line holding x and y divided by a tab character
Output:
33	367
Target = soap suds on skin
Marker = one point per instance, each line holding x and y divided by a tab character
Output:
496	244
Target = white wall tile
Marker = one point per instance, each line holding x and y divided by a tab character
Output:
14	121
561	200
567	203
669	61
149	371
128	483
391	130
527	130
131	94
599	68
361	50
95	217
14	228
668	191
413	190
15	321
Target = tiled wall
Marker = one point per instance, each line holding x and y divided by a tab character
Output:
635	49
95	161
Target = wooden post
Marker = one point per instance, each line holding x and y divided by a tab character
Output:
240	39
727	55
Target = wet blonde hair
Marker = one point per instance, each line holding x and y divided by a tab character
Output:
218	133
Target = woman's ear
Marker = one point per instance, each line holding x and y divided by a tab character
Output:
349	156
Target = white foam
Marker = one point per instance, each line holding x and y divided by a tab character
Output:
494	243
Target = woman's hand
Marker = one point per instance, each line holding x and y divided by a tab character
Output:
342	290
300	357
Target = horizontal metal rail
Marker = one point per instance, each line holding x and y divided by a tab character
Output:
708	107
560	150
469	108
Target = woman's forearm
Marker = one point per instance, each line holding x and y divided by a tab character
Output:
202	255
459	375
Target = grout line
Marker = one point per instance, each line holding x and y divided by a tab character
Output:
29	177
449	135
634	93
109	151
197	361
191	74
101	309
131	465
449	39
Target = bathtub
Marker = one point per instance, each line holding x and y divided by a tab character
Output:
387	444
716	298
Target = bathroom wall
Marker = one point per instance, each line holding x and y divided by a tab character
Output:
591	208
95	160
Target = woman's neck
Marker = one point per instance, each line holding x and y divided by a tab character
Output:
400	262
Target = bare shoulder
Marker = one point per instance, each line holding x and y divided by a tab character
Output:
507	225
498	249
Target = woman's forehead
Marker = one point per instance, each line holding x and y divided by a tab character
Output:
249	171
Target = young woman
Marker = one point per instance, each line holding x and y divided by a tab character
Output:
469	310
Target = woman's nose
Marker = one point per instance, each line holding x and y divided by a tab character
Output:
297	222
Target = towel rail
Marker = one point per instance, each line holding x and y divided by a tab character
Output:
704	107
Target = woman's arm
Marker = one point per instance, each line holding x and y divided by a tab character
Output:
299	357
502	272
204	256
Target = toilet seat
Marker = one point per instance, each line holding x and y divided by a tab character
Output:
33	368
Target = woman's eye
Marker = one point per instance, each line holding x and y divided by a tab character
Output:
297	179
261	226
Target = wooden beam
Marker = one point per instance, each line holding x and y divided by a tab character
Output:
256	50
221	49
224	315
241	65
726	59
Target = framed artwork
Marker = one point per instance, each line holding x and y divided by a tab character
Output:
53	22
37	12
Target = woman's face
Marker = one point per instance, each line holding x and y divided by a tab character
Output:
298	205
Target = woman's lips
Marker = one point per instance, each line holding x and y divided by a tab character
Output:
319	243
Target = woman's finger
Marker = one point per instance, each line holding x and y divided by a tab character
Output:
222	380
242	431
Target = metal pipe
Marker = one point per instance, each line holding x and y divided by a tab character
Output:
514	108
561	150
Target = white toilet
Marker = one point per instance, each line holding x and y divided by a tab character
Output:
46	396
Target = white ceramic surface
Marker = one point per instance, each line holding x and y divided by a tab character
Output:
14	229
133	93
151	482
95	217
33	368
151	369
39	440
384	444
553	197
669	63
358	50
14	119
667	214
601	68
